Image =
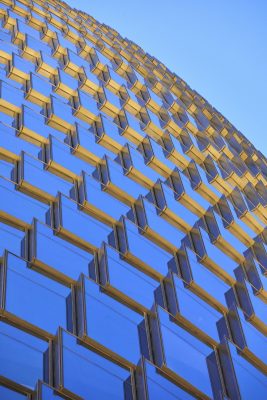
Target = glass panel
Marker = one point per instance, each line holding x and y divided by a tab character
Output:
34	124
112	98
139	164
98	378
103	314
145	250
6	169
47	59
41	85
36	174
10	239
196	310
29	207
81	225
185	354
33	297
235	243
256	341
258	305
129	280
160	388
158	153
192	193
112	131
161	226
62	255
61	154
47	393
218	256
8	394
67	80
62	110
124	182
244	226
178	208
13	143
207	280
36	44
87	140
22	356
98	198
250	379
22	64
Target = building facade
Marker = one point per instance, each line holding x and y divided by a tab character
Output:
132	223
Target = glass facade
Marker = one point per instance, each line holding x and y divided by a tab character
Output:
132	223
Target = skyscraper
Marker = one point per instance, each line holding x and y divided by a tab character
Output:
133	223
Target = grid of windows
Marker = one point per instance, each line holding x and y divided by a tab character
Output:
132	223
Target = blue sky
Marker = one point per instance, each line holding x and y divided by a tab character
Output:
218	47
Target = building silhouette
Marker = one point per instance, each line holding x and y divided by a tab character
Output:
133	223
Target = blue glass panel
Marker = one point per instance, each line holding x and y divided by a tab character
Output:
87	140
146	250
258	305
36	44
185	354
36	174
64	42
219	257
9	394
134	122
129	280
42	85
112	130
177	207
123	182
22	64
10	239
235	243
161	226
104	313
21	356
192	193
29	207
207	280
61	154
112	98
101	199
33	297
13	143
243	225
158	153
255	340
88	102
62	110
250	379
98	378
6	169
62	255
81	225
139	164
263	277
47	59
205	181
160	388
67	80
47	393
35	122
196	310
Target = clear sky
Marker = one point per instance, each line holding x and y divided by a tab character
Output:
219	47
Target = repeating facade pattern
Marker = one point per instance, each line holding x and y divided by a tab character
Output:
133	223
